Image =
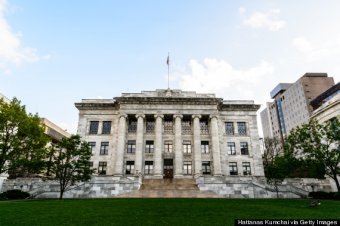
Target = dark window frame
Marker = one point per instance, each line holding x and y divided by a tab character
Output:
131	146
94	126
104	148
106	127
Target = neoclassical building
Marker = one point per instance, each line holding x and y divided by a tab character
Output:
171	134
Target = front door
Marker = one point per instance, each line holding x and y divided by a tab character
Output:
168	168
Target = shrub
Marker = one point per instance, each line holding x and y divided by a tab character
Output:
14	194
325	195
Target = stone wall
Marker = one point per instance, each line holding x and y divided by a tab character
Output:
256	187
97	187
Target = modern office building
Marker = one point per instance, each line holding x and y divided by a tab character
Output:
291	106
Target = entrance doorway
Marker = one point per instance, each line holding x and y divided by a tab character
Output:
168	168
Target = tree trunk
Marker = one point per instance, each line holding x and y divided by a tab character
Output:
61	194
336	181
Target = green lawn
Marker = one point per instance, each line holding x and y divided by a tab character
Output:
158	211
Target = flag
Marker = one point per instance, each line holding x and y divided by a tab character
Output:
167	60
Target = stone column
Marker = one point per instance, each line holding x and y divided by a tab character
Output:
197	144
139	144
178	146
158	147
119	167
215	142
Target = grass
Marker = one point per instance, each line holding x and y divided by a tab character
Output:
159	211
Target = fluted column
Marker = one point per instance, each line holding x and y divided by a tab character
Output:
197	144
215	145
178	146
158	147
139	143
119	167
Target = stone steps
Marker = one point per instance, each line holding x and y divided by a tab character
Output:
169	188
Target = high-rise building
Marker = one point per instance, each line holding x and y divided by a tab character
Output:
291	106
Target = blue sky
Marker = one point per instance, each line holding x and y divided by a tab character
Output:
55	53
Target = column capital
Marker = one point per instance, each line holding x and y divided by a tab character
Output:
213	116
123	115
196	116
140	116
159	115
178	115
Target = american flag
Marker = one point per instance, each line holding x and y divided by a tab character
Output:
167	60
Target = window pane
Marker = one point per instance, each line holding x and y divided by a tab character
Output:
229	128
94	127
106	127
244	148
242	130
231	148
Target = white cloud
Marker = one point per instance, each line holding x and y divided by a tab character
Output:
302	44
218	76
11	50
242	10
318	50
266	20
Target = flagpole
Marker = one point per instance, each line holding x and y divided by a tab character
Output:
168	62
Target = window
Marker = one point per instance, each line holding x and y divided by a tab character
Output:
130	167
233	168
246	168
150	126
186	127
206	167
187	168
149	146
229	128
131	146
231	148
244	148
205	147
148	169
168	146
106	127
204	127
90	164
104	148
92	146
242	130
168	127
94	127
132	126
187	146
102	168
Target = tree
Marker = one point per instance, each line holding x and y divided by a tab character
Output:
272	149
70	162
318	143
22	140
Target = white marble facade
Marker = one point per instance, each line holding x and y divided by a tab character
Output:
171	134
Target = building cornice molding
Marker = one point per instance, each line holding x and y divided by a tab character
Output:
169	100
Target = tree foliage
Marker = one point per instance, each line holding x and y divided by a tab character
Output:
319	144
22	140
70	162
272	150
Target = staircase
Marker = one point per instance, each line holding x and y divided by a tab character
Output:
169	188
